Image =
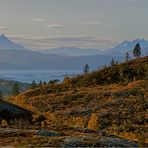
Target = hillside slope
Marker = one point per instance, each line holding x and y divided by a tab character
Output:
101	101
7	85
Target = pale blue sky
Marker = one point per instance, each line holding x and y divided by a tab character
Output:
42	24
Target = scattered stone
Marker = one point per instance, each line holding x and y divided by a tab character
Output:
49	133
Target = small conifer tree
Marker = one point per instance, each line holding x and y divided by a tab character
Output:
113	62
127	57
40	83
86	69
15	89
33	84
137	51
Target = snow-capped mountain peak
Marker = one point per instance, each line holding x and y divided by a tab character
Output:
6	43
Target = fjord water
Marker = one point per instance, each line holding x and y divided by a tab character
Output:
27	76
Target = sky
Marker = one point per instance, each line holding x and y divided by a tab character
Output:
45	24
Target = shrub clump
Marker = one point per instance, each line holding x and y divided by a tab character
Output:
93	122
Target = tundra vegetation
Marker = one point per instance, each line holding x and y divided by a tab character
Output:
89	108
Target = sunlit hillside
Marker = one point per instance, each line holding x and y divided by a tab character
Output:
112	101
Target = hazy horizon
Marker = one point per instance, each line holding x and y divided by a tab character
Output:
43	24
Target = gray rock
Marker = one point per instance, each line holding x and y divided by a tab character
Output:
49	133
116	142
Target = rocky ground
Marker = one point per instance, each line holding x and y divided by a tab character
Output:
69	138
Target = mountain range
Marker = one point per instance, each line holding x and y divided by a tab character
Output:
128	46
6	43
72	51
16	57
118	50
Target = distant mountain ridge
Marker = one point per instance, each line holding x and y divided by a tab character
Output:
73	51
118	50
16	57
6	43
31	60
127	46
121	48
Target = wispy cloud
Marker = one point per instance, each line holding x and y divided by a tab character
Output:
39	20
46	42
91	23
3	28
16	36
57	26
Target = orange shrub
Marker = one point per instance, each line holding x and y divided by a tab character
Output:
93	123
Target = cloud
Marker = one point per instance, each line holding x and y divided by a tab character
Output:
3	28
91	23
47	42
39	20
74	39
16	36
55	26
